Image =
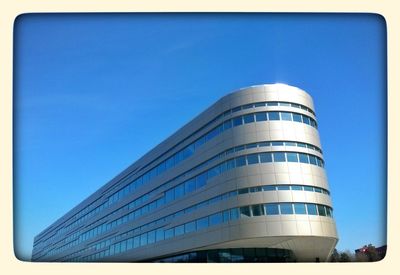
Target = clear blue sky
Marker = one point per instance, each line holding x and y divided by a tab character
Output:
93	93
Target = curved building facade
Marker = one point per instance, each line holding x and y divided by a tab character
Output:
244	181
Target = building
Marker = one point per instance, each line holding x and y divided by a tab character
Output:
243	181
370	253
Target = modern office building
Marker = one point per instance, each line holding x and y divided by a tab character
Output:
242	182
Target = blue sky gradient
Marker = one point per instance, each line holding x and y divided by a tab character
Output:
93	93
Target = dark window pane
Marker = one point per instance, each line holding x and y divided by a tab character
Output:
259	104
273	116
286	208
289	143
265	157
283	187
213	172
251	145
257	210
272	103
284	104
239	148
230	164
295	105
169	195
159	234
292	157
249	118
201	180
247	106
264	144
297	187
236	109
252	159
237	121
311	209
169	233
313	160
234	213
179	230
261	116
301	144
243	191
279	157
198	143
303	158
318	190
240	161
216	219
227	124
328	212
272	209
190	185
297	117
269	188
299	208
190	227
255	189
202	223
151	237
306	120
286	116
179	191
244	211
308	188
321	210
143	239
277	143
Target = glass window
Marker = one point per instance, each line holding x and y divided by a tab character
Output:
257	210
236	109
136	241
286	208
318	190
159	234
306	120
179	191
129	244
151	237
190	185
234	213
202	223
279	157
259	104
301	144
213	172
213	133
179	230
252	159
328	212
251	145
321	210
198	143
227	124
299	208
297	187
269	187
313	160
230	164
311	209
273	116
303	158
295	105
143	239
201	180
283	187
190	227
240	161
265	157
289	143
237	121
169	233
249	118
244	212
216	219
225	216
178	157
292	157
169	195
227	113
272	103
286	116
243	191
308	188
247	106
297	117
239	148
255	189
188	151
264	144
277	143
261	116
271	209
